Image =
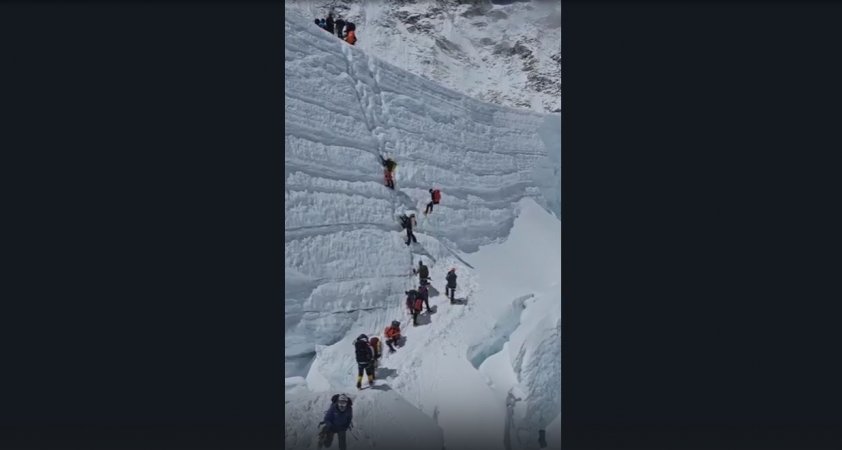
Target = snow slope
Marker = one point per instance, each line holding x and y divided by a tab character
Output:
507	53
347	266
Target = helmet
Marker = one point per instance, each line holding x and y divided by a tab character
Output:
395	323
431	189
453	269
362	337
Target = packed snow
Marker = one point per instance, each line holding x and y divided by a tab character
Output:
484	373
507	53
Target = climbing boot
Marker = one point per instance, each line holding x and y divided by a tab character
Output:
359	382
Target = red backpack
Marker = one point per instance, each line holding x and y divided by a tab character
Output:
419	304
436	196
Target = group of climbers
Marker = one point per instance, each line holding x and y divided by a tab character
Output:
368	350
338	417
418	299
389	166
346	31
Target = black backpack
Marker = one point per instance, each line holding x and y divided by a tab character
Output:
363	350
404	221
451	278
424	272
349	26
410	298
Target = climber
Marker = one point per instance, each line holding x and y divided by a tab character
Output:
351	34
388	163
374	342
393	334
423	273
337	420
340	27
389	179
388	168
424	294
365	360
318	22
329	23
450	290
408	222
435	196
415	304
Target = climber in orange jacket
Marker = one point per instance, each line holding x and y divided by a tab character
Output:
393	334
351	34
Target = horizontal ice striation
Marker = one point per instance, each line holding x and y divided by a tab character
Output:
345	258
548	172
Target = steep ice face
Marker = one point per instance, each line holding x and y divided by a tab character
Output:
343	251
347	265
508	53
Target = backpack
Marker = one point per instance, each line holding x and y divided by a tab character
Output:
375	343
419	304
363	351
436	196
423	292
424	272
350	26
451	278
404	221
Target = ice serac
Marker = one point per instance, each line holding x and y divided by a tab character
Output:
344	108
347	265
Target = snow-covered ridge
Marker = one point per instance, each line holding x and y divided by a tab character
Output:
347	265
507	53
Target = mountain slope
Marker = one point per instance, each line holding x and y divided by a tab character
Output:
508	53
347	266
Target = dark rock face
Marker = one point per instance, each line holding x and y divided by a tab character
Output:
447	46
477	8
